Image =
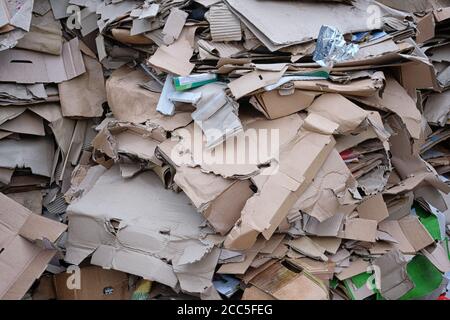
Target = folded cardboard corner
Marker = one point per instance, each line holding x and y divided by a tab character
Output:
22	258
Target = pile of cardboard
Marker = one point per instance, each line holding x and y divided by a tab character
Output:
224	149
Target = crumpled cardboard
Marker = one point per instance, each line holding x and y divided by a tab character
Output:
261	213
219	150
107	234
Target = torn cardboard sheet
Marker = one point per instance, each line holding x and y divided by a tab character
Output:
264	212
253	81
242	156
132	139
84	95
360	229
174	25
356	88
45	35
396	99
123	92
394	279
175	57
340	110
177	237
309	248
373	208
333	187
35	153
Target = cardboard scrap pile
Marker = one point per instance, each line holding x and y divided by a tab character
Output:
224	149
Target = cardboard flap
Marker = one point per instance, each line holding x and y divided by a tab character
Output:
373	208
24	222
21	263
393	276
37	227
438	256
415	232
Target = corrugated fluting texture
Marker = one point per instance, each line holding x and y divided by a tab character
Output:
225	26
57	206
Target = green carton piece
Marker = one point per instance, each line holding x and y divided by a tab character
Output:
424	275
430	222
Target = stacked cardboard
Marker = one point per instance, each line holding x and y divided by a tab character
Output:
217	149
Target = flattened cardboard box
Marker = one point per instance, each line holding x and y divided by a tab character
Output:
295	21
22	261
24	66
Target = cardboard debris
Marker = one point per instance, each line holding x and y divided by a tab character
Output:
280	283
22	259
178	237
393	276
224	149
23	66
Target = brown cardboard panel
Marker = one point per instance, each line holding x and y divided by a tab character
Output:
242	267
83	96
356	267
438	256
253	81
95	284
373	208
276	106
393	276
332	188
225	210
175	57
27	123
284	284
360	229
22	261
266	210
123	92
30	67
426	28
151	222
340	110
